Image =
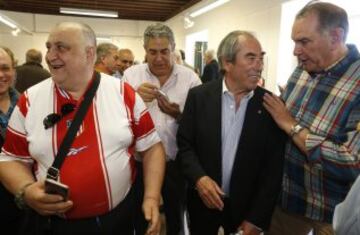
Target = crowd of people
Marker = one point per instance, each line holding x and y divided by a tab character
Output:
211	151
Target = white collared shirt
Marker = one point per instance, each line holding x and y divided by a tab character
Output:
181	80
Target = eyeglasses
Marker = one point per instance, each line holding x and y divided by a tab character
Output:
53	118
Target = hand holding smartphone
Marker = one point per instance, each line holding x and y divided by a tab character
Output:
55	187
162	94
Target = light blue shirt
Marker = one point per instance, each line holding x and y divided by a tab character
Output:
232	121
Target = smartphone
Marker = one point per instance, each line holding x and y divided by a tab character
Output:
162	94
55	187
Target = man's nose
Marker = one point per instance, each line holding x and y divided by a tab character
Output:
297	50
259	63
158	57
51	54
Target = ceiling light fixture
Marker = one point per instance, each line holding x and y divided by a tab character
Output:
188	23
15	32
8	22
88	12
103	39
208	8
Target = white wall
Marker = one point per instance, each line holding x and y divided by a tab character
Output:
123	33
262	17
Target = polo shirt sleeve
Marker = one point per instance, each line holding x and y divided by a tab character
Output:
146	135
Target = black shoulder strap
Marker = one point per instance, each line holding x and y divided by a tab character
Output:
53	171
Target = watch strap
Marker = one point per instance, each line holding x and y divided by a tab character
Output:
295	129
19	197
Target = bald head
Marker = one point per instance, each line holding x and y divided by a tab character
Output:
88	35
71	54
126	59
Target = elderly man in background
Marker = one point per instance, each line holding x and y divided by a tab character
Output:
31	72
211	69
98	169
164	85
321	114
107	59
125	60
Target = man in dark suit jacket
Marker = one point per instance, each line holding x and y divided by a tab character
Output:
31	72
211	69
230	149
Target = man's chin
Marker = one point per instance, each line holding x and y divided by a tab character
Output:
57	79
162	72
309	68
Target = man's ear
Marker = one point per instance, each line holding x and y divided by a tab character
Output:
337	35
226	64
91	53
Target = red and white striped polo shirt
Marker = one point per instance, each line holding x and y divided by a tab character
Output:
99	167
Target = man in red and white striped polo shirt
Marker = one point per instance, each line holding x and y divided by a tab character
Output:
99	168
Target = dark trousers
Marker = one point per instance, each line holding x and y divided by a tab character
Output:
120	220
203	220
173	194
10	216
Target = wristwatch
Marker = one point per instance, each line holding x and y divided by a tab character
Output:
295	129
19	197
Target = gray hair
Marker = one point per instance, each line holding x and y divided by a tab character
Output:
34	56
159	31
210	54
230	46
103	50
87	32
330	16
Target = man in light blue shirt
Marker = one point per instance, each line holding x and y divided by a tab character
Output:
230	149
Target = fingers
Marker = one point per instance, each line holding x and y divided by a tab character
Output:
248	228
154	223
147	92
210	193
271	100
43	203
152	215
54	208
172	109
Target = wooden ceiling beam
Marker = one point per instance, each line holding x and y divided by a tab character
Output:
156	10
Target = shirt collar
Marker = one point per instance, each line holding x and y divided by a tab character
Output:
225	90
338	68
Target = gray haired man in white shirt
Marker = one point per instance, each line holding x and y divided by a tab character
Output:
164	85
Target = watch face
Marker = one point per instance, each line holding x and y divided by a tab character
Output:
297	129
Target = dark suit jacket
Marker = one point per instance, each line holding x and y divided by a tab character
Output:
28	75
258	165
211	72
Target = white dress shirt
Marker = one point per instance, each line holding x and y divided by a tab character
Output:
181	80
